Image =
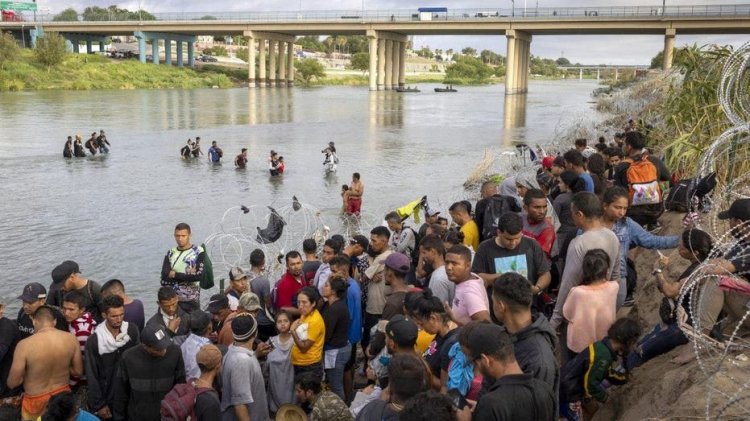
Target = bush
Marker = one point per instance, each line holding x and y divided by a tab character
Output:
50	50
469	69
9	49
361	61
216	50
243	55
308	69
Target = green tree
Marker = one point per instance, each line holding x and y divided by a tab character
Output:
114	13
425	52
308	69
562	61
490	57
207	17
468	51
310	43
468	69
67	15
361	61
243	54
9	49
50	49
658	60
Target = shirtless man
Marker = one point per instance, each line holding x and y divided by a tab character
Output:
44	363
354	195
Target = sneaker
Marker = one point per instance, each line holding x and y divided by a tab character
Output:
629	301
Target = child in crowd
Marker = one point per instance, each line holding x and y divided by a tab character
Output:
280	370
582	379
344	197
591	307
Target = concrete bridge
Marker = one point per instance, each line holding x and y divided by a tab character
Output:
600	69
271	35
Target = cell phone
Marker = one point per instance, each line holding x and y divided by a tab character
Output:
457	399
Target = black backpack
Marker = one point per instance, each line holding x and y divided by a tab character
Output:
496	206
681	194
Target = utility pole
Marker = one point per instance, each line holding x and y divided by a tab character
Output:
513	7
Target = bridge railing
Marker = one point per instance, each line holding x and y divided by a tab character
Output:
482	15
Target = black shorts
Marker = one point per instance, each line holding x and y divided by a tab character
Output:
352	358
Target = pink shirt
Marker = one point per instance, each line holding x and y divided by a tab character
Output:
470	299
590	310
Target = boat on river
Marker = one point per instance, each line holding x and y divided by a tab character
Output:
448	88
406	90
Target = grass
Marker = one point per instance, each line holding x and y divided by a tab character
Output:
88	72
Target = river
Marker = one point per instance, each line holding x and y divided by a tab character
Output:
115	215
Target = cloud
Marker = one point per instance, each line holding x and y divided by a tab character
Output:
589	49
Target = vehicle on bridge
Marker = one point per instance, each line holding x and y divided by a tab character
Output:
487	14
208	59
431	13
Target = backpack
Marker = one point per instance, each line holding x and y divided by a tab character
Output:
207	280
643	182
496	206
415	252
179	403
680	197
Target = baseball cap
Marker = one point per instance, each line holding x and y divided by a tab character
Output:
32	292
740	209
217	303
548	161
398	262
63	271
360	240
236	274
209	356
432	213
402	330
249	302
155	336
199	321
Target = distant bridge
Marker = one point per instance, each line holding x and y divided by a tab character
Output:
272	34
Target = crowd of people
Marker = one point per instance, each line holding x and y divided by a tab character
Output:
506	312
95	144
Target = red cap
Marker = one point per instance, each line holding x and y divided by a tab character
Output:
547	162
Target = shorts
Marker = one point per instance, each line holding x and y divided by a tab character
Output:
33	406
354	205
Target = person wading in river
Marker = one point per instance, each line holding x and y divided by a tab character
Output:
354	195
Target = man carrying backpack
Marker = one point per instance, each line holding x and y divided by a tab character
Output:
641	174
196	400
489	209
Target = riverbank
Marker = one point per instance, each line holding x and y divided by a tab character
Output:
90	72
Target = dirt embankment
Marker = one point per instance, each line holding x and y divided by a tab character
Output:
661	389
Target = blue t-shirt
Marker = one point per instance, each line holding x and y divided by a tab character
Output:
85	416
586	177
354	303
213	153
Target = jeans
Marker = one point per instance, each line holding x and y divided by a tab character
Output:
316	369
103	149
659	341
335	375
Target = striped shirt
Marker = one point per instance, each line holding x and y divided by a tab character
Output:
82	328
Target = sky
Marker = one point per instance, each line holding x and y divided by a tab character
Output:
586	49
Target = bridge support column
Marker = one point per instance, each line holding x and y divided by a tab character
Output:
76	46
101	46
396	59
191	53
68	46
402	64
381	64
89	47
168	52
251	62
668	49
142	49
373	70
178	46
580	74
388	64
617	74
272	62
598	74
155	51
281	80
516	76
290	64
262	63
